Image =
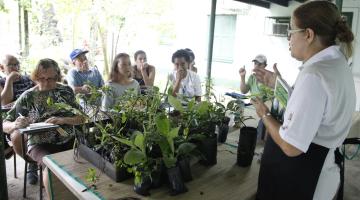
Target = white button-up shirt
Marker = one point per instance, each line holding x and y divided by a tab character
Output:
319	111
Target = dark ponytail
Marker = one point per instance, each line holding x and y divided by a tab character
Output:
344	35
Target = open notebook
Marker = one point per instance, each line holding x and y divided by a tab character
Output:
40	125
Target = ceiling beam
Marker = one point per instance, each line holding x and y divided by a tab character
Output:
256	2
280	2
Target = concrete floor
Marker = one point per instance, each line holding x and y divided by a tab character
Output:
352	171
15	185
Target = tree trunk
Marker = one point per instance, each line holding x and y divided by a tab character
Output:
26	32
19	23
103	37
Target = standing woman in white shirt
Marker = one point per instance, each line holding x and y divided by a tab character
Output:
299	157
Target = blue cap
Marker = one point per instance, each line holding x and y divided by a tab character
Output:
76	52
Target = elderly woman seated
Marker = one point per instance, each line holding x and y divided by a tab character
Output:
32	107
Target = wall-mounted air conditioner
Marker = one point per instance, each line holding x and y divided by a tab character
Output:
280	29
277	26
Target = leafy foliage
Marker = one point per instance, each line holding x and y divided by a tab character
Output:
91	176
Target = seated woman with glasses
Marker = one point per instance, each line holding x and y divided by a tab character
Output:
32	106
120	81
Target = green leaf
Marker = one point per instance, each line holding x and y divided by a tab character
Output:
203	107
185	148
124	141
174	102
137	180
91	175
134	156
162	124
170	90
139	142
191	104
174	132
123	118
169	161
50	101
164	146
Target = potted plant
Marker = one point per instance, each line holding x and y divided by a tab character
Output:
200	120
141	164
94	141
172	152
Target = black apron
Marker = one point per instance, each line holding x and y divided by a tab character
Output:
283	178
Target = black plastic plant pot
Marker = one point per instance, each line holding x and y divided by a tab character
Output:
208	148
144	187
176	181
223	132
157	177
246	147
155	151
184	165
115	173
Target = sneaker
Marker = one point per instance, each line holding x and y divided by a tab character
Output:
32	176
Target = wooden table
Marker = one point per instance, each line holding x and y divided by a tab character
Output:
225	180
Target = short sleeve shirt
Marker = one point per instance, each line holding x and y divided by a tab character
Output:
76	78
33	104
19	86
116	90
321	105
255	87
190	85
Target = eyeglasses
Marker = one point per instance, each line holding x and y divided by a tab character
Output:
292	31
50	79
